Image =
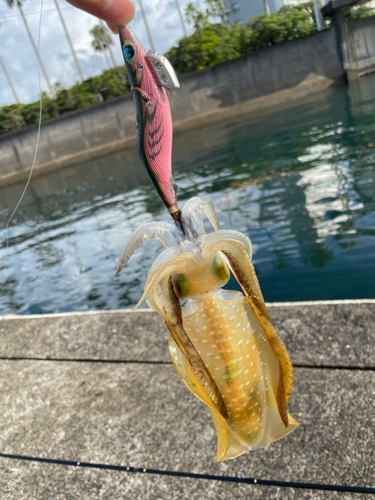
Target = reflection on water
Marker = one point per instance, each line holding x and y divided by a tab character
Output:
299	181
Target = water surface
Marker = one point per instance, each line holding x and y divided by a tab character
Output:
298	180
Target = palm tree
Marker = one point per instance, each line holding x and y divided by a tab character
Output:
109	44
181	18
18	3
9	80
146	24
69	40
101	41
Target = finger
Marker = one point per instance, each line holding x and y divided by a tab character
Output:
114	12
113	27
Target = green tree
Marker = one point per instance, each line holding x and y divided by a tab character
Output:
211	44
111	83
360	11
289	23
201	18
208	46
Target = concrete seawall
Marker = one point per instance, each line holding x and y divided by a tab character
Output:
272	76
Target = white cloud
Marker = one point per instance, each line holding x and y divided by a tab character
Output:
20	60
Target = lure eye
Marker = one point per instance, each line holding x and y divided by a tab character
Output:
130	51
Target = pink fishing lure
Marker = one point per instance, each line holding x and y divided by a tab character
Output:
149	75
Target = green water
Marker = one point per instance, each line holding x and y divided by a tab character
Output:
299	181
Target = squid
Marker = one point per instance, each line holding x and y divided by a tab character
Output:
222	343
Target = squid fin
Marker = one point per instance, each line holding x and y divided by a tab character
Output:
246	281
238	255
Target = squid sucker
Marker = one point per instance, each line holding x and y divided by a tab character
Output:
222	343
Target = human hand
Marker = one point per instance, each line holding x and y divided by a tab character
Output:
113	12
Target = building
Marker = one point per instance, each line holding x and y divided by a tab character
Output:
239	11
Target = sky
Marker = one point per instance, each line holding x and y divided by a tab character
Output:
20	60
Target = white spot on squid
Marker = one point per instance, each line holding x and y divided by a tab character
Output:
240	342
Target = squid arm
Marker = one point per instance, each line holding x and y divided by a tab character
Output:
194	210
165	232
237	249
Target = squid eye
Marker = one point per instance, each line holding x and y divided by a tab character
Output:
220	269
130	51
181	285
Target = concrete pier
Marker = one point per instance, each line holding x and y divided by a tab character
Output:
100	387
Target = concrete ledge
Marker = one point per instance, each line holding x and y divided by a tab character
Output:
142	415
325	333
132	409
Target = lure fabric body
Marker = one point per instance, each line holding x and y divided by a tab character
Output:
149	78
222	343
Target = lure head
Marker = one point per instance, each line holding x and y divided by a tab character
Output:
149	74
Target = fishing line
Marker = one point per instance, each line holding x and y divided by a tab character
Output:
239	478
38	135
